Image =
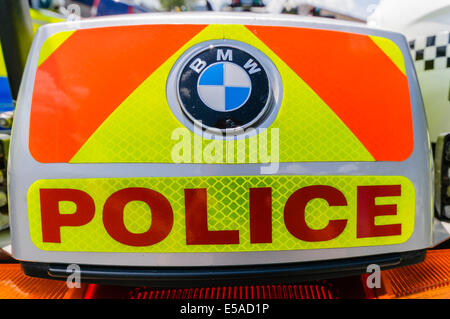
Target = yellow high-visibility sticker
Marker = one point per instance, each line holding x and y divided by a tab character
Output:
220	213
2	64
391	50
52	44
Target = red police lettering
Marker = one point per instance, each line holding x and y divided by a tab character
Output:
197	232
294	213
260	215
367	211
161	218
52	219
196	215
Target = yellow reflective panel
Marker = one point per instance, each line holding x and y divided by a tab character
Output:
52	43
338	211
391	50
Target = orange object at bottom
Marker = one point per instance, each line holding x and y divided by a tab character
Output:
15	285
427	280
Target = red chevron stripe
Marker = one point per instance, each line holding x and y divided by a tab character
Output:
88	77
356	80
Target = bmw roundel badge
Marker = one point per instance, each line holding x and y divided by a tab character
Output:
224	86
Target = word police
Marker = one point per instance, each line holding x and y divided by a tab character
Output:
196	214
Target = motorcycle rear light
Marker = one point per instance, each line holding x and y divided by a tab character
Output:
316	290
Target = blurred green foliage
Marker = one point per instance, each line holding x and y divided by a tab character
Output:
172	4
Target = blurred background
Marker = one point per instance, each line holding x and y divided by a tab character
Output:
357	10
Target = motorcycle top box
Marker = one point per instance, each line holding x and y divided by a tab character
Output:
179	149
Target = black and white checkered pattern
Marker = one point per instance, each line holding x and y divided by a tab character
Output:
431	52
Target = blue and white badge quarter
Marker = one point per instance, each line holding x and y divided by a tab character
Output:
224	85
